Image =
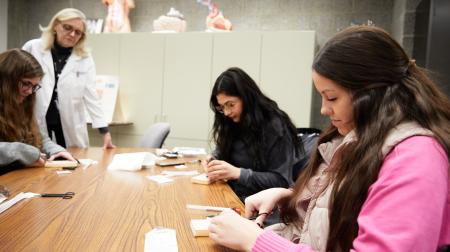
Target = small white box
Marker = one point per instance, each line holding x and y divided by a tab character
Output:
200	227
201	179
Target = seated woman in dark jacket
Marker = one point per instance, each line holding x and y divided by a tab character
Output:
256	142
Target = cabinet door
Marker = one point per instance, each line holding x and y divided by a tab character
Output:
286	72
141	80
241	50
105	51
187	75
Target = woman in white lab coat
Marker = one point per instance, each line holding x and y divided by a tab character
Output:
68	86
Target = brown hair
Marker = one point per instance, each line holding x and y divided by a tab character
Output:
387	89
17	119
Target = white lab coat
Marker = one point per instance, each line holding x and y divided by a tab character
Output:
76	91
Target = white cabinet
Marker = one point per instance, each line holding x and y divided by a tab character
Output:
187	68
169	77
140	85
286	73
237	49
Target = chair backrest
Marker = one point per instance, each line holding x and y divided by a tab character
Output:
155	135
309	137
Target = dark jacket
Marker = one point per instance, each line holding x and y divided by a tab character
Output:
280	157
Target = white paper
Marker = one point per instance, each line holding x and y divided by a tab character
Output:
149	160
87	162
200	224
63	172
202	178
179	173
190	151
4	206
107	87
181	166
159	152
161	240
132	161
160	179
207	208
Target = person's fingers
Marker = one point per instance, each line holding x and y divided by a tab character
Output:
213	236
260	219
216	162
213	161
218	174
250	208
212	168
215	167
212	226
215	175
108	146
67	156
212	176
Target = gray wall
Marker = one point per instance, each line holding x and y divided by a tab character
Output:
3	24
326	17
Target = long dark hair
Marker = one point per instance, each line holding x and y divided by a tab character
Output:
387	89
17	119
258	110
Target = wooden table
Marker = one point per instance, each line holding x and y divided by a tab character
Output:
111	211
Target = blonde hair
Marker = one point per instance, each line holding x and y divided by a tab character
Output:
48	33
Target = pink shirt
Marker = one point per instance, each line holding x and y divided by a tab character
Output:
407	208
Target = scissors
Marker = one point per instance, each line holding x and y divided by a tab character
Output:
67	195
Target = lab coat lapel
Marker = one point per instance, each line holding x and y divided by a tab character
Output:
47	60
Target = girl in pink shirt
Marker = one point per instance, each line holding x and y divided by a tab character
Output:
379	180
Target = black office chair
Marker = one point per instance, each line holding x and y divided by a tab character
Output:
309	138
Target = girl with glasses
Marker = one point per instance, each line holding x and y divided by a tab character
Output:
68	86
379	179
256	142
21	142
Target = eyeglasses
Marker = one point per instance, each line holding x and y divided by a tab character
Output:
68	29
28	85
228	106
